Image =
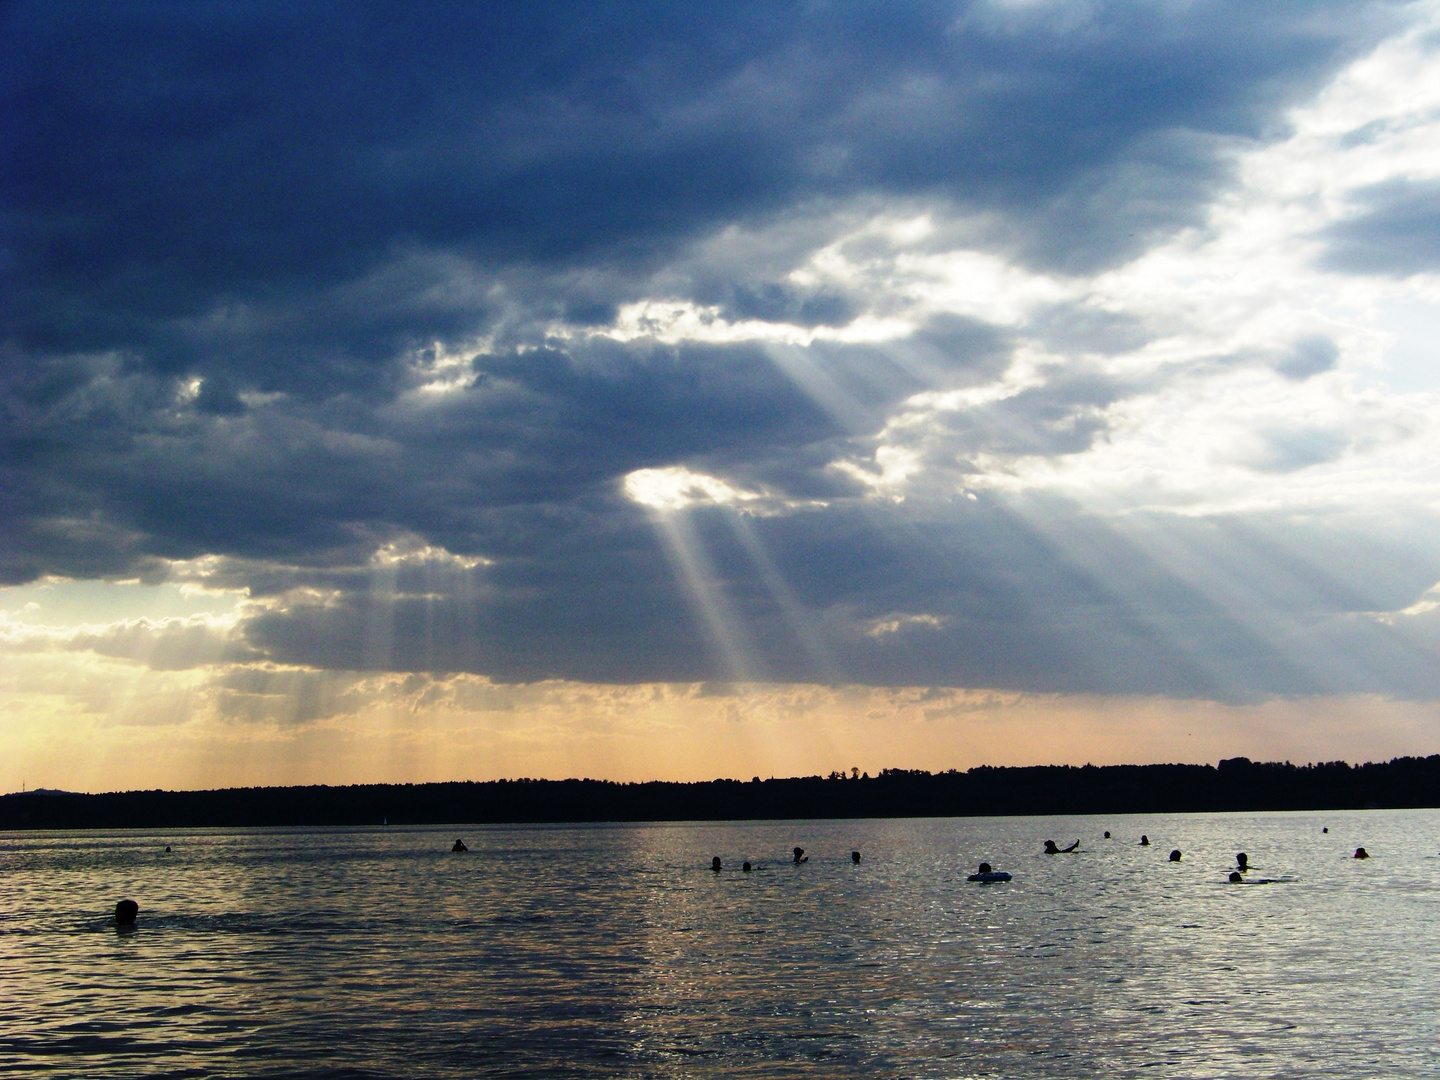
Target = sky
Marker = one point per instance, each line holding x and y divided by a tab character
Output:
635	391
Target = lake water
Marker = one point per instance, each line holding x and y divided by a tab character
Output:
615	951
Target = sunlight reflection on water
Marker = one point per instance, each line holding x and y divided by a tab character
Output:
614	950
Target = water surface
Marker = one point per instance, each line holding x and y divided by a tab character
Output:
615	951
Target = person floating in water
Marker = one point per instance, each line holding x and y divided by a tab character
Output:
1144	840
988	874
1052	849
1107	834
800	856
745	866
1325	829
125	913
1175	855
1242	861
716	864
1361	853
855	857
1236	877
459	845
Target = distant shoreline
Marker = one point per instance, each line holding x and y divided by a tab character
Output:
1235	784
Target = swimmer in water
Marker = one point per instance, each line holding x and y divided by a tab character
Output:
1361	853
1107	834
855	857
745	867
1052	849
1175	855
716	864
1144	840
800	856
1235	877
459	845
1242	861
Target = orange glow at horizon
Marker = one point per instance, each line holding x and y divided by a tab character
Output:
176	730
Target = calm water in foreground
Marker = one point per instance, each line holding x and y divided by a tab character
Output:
614	951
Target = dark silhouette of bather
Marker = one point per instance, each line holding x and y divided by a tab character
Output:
800	856
1325	829
1175	855
1107	834
987	874
1242	861
715	864
1235	877
459	845
745	866
1361	853
1144	840
855	857
125	912
167	849
1051	848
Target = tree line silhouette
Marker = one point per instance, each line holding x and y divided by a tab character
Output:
1234	784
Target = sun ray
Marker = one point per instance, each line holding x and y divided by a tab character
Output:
800	621
696	576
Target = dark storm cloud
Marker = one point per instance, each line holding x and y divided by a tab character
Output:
238	241
539	429
1051	599
1396	233
179	175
